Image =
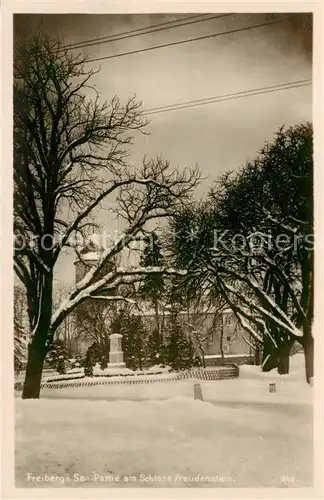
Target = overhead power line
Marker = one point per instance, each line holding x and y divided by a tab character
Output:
228	97
143	31
213	35
131	31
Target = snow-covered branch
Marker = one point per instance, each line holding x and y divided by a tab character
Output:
113	298
248	342
110	282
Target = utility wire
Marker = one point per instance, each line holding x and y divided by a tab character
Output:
138	32
130	31
308	80
213	35
227	97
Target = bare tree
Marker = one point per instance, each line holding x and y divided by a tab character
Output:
92	322
71	153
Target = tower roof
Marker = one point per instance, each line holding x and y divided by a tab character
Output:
92	249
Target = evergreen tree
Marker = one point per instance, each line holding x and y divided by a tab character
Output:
96	353
153	286
57	356
61	368
179	349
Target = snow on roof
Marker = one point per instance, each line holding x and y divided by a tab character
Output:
94	256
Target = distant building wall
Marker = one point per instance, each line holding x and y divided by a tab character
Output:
226	324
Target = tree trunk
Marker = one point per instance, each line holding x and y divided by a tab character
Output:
284	357
269	355
38	346
309	358
35	363
257	356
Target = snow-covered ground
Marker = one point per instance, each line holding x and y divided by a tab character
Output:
239	436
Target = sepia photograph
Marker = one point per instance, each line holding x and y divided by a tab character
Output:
163	251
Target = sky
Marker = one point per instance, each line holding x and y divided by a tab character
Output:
219	136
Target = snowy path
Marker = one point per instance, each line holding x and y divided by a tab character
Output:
240	436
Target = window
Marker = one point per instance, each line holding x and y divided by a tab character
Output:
228	319
228	339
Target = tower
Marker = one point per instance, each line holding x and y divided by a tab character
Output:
89	256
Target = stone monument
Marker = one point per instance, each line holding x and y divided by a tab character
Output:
116	356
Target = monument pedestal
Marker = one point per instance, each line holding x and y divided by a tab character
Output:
116	355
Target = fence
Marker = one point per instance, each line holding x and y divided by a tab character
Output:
220	373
